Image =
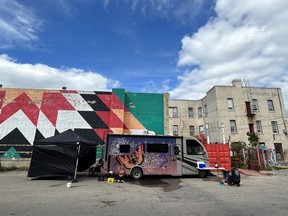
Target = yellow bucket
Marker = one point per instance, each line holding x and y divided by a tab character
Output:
110	180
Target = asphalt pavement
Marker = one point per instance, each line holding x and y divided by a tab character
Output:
258	195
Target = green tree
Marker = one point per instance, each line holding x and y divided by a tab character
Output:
253	138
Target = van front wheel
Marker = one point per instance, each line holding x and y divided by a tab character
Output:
136	173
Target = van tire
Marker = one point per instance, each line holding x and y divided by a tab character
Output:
202	174
136	173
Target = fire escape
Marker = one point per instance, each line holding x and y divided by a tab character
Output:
249	111
251	116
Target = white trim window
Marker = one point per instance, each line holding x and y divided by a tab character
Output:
192	130
230	103
255	105
233	126
274	127
175	112
200	113
258	126
175	130
270	105
190	112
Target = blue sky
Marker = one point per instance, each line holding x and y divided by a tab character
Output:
181	47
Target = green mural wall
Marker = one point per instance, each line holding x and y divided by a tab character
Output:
120	93
148	109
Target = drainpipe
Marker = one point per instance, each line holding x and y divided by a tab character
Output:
223	133
207	134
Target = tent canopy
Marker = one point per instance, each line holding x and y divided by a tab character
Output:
68	137
61	155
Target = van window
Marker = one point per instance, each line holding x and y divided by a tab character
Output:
157	148
194	148
124	148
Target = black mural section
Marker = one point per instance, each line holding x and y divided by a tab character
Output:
90	135
56	132
103	93
20	148
25	154
16	140
14	137
93	119
38	135
95	102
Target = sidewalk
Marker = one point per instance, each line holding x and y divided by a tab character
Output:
251	172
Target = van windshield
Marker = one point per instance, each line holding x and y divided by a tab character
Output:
194	148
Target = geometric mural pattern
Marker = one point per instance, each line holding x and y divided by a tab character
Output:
27	115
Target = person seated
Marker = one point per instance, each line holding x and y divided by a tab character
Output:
121	175
91	171
96	168
233	177
236	176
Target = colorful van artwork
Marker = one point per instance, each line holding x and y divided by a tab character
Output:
155	155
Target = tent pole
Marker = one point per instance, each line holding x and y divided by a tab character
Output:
75	180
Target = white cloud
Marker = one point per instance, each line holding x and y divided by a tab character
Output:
18	24
247	40
153	87
17	75
184	10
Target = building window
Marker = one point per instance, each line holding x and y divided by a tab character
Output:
190	112
175	130
201	129
174	112
200	112
192	130
233	127
274	127
230	103
205	110
258	127
270	105
255	104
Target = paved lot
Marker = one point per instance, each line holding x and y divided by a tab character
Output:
258	195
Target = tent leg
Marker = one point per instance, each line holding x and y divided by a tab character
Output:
75	174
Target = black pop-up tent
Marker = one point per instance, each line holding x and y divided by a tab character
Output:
62	155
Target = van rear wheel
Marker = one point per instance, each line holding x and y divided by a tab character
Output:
136	173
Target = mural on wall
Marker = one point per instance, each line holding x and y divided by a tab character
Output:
28	114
